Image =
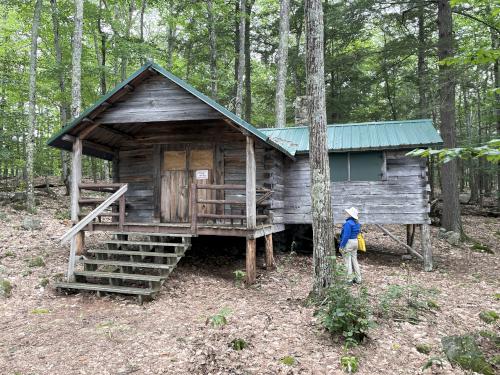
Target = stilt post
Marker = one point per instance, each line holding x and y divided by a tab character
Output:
251	263
425	239
76	177
269	252
250	185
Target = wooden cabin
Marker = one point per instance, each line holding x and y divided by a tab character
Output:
185	166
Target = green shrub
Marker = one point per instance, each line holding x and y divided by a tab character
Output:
239	344
219	319
36	262
5	288
489	316
239	277
344	313
288	360
406	302
482	248
423	348
44	282
349	364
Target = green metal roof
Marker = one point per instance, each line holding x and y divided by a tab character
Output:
361	136
56	139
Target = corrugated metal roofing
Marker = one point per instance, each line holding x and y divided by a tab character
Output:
56	139
361	136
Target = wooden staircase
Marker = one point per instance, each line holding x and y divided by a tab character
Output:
130	263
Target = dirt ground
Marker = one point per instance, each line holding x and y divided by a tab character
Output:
42	332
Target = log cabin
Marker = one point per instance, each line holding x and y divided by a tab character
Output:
184	166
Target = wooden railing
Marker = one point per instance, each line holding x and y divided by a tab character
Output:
71	234
222	205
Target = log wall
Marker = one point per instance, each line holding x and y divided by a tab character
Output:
402	198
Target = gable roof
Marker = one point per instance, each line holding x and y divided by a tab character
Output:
57	140
361	136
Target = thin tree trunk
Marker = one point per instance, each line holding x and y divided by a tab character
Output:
76	76
248	66
128	27
170	45
213	50
30	139
141	26
63	105
101	56
318	156
236	47
241	61
297	81
449	178
495	41
480	170
282	64
421	67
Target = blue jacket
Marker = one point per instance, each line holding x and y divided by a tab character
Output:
350	231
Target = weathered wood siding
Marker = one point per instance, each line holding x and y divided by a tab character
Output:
157	99
400	199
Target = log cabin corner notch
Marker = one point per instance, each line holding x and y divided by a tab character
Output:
185	166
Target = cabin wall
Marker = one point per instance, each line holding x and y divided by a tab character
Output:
400	199
137	166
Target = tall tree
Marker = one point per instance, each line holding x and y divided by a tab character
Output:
63	105
248	64
241	60
76	62
449	171
30	140
213	50
321	207
282	64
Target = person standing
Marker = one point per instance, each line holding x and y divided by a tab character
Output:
349	245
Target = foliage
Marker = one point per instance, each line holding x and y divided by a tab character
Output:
490	151
220	319
239	277
344	313
288	360
423	348
36	262
239	344
349	364
489	316
40	311
5	287
431	362
406	302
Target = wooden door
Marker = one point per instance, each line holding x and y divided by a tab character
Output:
174	187
181	168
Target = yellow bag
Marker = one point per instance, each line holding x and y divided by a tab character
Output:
361	243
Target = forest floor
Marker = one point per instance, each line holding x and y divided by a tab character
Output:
43	332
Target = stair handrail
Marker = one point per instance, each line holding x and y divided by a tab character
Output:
93	214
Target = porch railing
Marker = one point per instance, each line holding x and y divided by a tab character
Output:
223	205
71	234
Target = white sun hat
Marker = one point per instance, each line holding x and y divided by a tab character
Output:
352	212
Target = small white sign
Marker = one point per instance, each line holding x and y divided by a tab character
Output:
202	174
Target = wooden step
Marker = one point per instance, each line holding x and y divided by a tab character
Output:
123	263
164	244
132	252
119	275
93	201
107	288
158	234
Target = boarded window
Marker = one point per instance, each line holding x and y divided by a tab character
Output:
174	161
339	167
356	166
366	166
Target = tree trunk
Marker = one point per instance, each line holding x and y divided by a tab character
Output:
170	44
248	66
450	219
128	27
213	50
76	76
318	156
30	141
63	105
282	64
141	26
495	41
101	56
421	68
241	61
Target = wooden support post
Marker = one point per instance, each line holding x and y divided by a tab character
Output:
156	183
76	176
121	207
250	185
269	252
251	262
410	234
425	239
194	209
